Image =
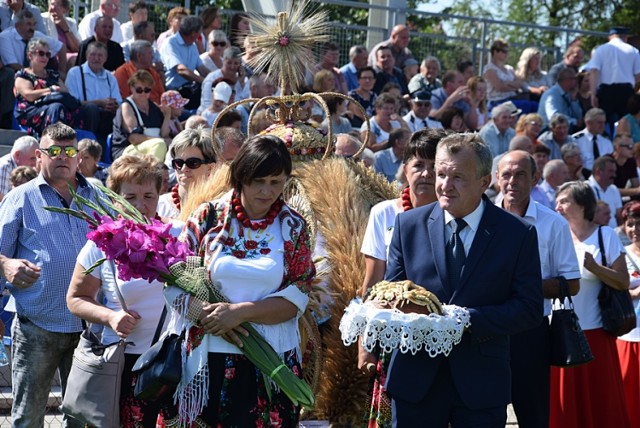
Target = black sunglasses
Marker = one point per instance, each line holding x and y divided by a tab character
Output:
141	90
192	163
219	43
41	53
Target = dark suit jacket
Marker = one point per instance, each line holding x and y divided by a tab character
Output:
501	287
115	55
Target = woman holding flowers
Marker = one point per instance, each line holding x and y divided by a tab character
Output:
257	253
138	180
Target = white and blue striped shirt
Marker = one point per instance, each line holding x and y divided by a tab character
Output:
50	240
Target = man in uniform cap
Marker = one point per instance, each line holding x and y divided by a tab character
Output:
418	118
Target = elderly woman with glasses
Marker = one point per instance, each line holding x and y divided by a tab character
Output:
212	58
33	84
138	179
193	159
140	126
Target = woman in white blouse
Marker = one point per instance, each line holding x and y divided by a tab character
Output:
590	395
137	179
629	344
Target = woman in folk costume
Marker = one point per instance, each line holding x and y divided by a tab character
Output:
333	194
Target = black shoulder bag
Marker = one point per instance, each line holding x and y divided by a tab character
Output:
616	306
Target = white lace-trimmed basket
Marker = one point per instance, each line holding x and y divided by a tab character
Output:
392	329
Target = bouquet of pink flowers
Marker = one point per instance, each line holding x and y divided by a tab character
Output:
141	250
144	248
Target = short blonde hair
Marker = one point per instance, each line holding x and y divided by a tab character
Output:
526	118
141	76
134	169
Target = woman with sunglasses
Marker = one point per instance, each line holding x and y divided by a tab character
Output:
140	126
32	84
212	58
193	159
138	180
258	251
502	82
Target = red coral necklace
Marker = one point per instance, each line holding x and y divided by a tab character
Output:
175	196
242	217
406	199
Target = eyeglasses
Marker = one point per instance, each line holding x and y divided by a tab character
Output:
627	146
192	163
422	103
113	6
55	151
367	77
220	44
503	50
41	53
141	90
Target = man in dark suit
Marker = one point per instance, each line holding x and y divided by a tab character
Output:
472	254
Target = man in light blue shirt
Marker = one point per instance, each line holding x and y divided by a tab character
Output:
498	132
557	135
181	59
388	161
559	99
358	56
97	89
38	251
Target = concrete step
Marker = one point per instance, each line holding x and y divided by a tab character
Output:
8	136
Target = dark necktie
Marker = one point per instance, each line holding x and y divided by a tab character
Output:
455	253
424	122
596	152
25	58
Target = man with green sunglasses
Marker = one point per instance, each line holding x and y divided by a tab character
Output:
38	249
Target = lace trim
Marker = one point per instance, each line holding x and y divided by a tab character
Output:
392	329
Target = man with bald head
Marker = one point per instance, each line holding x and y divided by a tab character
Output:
530	366
104	27
109	8
398	43
346	145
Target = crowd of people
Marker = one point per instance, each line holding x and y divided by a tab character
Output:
558	150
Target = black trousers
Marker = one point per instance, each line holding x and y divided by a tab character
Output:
530	376
613	100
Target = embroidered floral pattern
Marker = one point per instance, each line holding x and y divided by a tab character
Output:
298	264
251	246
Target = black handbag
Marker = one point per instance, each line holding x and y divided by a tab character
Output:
159	368
568	344
616	306
66	99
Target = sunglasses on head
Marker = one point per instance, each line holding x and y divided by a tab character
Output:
55	151
40	52
141	90
192	163
219	43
